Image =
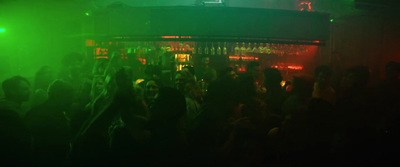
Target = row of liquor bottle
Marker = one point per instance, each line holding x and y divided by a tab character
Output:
237	49
216	48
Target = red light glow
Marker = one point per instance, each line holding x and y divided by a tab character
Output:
307	4
247	58
234	57
170	37
295	67
102	57
142	60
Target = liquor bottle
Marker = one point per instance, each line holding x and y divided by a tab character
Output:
199	50
186	47
237	49
249	50
206	50
255	50
261	48
267	48
225	49
243	49
219	50
212	49
193	50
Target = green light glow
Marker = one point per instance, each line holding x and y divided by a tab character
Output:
332	20
87	14
2	30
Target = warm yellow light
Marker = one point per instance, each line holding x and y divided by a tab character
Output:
139	81
283	83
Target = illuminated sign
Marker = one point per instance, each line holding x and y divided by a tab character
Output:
243	58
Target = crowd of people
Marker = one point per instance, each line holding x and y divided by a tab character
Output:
99	115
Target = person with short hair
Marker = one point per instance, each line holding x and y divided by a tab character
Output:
14	136
49	126
322	86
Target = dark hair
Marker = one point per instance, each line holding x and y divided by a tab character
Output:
324	69
253	64
157	81
152	70
58	88
41	82
393	64
225	71
272	76
191	69
169	106
303	85
362	75
11	84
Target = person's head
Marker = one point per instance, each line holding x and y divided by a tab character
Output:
152	71
189	69
151	89
124	78
392	71
228	73
181	79
169	106
43	78
16	89
253	68
323	75
205	61
358	77
303	85
272	77
60	93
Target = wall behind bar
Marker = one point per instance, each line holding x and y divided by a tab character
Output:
226	22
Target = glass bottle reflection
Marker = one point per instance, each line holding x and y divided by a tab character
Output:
237	49
261	48
255	49
199	49
193	50
243	49
219	50
206	50
225	49
249	50
212	49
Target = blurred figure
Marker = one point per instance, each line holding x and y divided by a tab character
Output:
151	72
392	71
301	95
356	140
49	126
253	69
151	90
205	72
275	95
322	86
228	72
16	91
191	70
14	136
184	83
43	78
166	125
